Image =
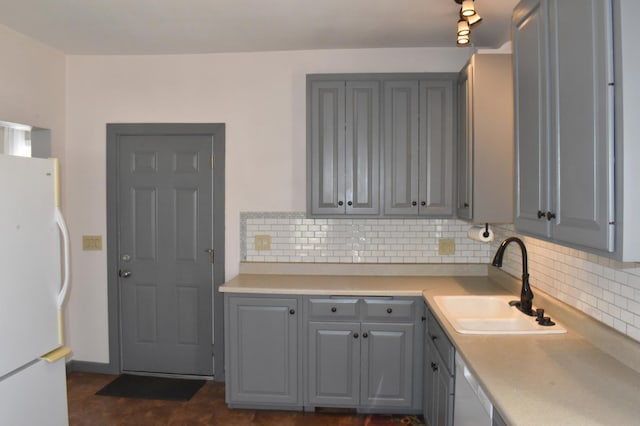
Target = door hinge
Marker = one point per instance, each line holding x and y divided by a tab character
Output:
212	254
213	161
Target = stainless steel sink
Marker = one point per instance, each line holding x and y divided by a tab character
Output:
479	314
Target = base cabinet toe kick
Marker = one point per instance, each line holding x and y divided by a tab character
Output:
307	352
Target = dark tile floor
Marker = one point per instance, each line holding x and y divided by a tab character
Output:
207	407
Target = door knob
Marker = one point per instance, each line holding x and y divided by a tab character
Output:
124	274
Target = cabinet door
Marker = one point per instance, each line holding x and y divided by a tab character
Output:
444	397
581	119
529	40
327	145
387	365
333	364
439	389
435	185
465	155
362	147
262	358
401	145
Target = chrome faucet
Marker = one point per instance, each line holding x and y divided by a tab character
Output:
526	295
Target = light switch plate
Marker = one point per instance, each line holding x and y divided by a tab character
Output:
92	242
262	242
446	247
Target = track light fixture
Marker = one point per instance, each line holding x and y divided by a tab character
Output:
463	28
468	17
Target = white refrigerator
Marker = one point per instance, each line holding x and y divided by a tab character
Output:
33	283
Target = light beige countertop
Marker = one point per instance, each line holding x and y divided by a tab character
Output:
588	376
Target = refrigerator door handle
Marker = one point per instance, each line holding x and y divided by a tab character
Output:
65	243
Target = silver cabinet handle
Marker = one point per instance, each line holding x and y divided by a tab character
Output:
124	274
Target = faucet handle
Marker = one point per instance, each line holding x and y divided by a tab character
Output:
539	314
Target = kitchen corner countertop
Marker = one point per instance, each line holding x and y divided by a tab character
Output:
561	379
588	376
336	285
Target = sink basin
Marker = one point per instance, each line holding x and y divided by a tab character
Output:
478	314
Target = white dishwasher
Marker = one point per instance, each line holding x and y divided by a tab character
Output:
471	405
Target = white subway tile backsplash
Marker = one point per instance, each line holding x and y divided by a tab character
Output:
301	239
605	289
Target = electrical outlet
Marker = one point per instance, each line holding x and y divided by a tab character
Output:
446	247
92	242
262	242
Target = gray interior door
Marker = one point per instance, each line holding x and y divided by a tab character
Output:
165	258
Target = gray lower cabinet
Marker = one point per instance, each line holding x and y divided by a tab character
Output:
262	359
564	137
439	375
363	353
333	363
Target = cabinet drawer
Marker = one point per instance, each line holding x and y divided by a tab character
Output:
389	309
440	340
339	308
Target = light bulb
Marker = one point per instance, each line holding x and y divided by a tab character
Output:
463	40
468	8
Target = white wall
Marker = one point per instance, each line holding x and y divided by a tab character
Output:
32	85
260	97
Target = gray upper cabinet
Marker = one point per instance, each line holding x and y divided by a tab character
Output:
485	140
401	146
354	121
530	76
344	140
418	147
563	77
465	146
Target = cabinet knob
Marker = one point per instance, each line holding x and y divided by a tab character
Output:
334	309
365	335
355	335
541	214
434	366
423	203
413	203
551	216
434	338
389	310
340	203
423	318
465	205
349	203
292	311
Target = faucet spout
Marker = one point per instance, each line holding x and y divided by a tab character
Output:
526	294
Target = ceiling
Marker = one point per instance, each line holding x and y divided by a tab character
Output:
211	26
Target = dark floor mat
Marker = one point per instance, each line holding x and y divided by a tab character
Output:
147	387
